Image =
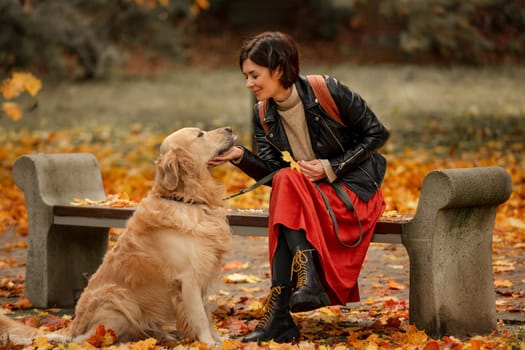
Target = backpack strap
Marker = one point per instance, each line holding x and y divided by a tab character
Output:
323	95
318	84
261	106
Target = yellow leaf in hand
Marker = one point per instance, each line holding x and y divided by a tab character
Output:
287	157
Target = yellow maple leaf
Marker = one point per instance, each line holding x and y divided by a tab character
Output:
147	344
31	84
71	346
11	88
502	283
287	157
12	110
415	336
240	278
19	83
42	343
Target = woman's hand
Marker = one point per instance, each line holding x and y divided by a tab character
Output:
233	154
312	169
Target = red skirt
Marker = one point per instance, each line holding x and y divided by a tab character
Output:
297	204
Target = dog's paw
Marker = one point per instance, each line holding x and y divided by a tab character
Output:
7	339
210	340
218	338
58	338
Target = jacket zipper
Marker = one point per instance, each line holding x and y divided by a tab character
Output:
332	133
369	176
357	154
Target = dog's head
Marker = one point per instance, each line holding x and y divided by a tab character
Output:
182	167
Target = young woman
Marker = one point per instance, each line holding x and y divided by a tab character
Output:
321	218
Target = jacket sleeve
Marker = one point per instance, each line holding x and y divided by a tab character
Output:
267	159
369	133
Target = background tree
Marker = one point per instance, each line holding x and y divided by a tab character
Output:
83	38
90	39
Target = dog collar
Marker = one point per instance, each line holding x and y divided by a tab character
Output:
180	199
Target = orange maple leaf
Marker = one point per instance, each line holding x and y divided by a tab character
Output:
432	345
19	83
102	337
394	285
234	265
415	336
53	323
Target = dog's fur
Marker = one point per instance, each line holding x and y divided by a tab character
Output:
161	268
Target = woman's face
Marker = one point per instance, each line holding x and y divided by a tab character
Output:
262	83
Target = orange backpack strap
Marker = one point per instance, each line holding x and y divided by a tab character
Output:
261	105
318	84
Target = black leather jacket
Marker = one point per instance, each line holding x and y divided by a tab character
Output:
351	150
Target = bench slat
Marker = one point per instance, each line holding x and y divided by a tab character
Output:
242	222
93	211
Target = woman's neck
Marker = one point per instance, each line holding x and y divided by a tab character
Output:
290	101
283	95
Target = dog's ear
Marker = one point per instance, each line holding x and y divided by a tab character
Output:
167	171
172	167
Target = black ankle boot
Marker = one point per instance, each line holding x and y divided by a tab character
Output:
277	323
309	293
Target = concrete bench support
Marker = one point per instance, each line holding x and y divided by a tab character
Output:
59	255
449	244
449	241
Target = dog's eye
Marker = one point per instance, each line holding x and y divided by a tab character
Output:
201	134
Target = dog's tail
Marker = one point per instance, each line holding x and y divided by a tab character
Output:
15	332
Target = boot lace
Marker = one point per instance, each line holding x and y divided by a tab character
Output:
269	305
298	266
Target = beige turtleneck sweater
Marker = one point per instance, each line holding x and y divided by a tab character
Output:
294	121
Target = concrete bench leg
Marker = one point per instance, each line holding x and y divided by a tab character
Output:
449	243
72	254
58	256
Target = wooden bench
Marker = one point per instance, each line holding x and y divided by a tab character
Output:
449	240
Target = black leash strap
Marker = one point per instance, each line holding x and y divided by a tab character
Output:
261	182
341	193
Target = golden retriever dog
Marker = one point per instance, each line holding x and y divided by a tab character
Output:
159	272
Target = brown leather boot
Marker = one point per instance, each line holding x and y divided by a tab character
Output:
277	323
309	293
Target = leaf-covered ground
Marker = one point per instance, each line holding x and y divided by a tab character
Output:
380	321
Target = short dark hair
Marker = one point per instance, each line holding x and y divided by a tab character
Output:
273	50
